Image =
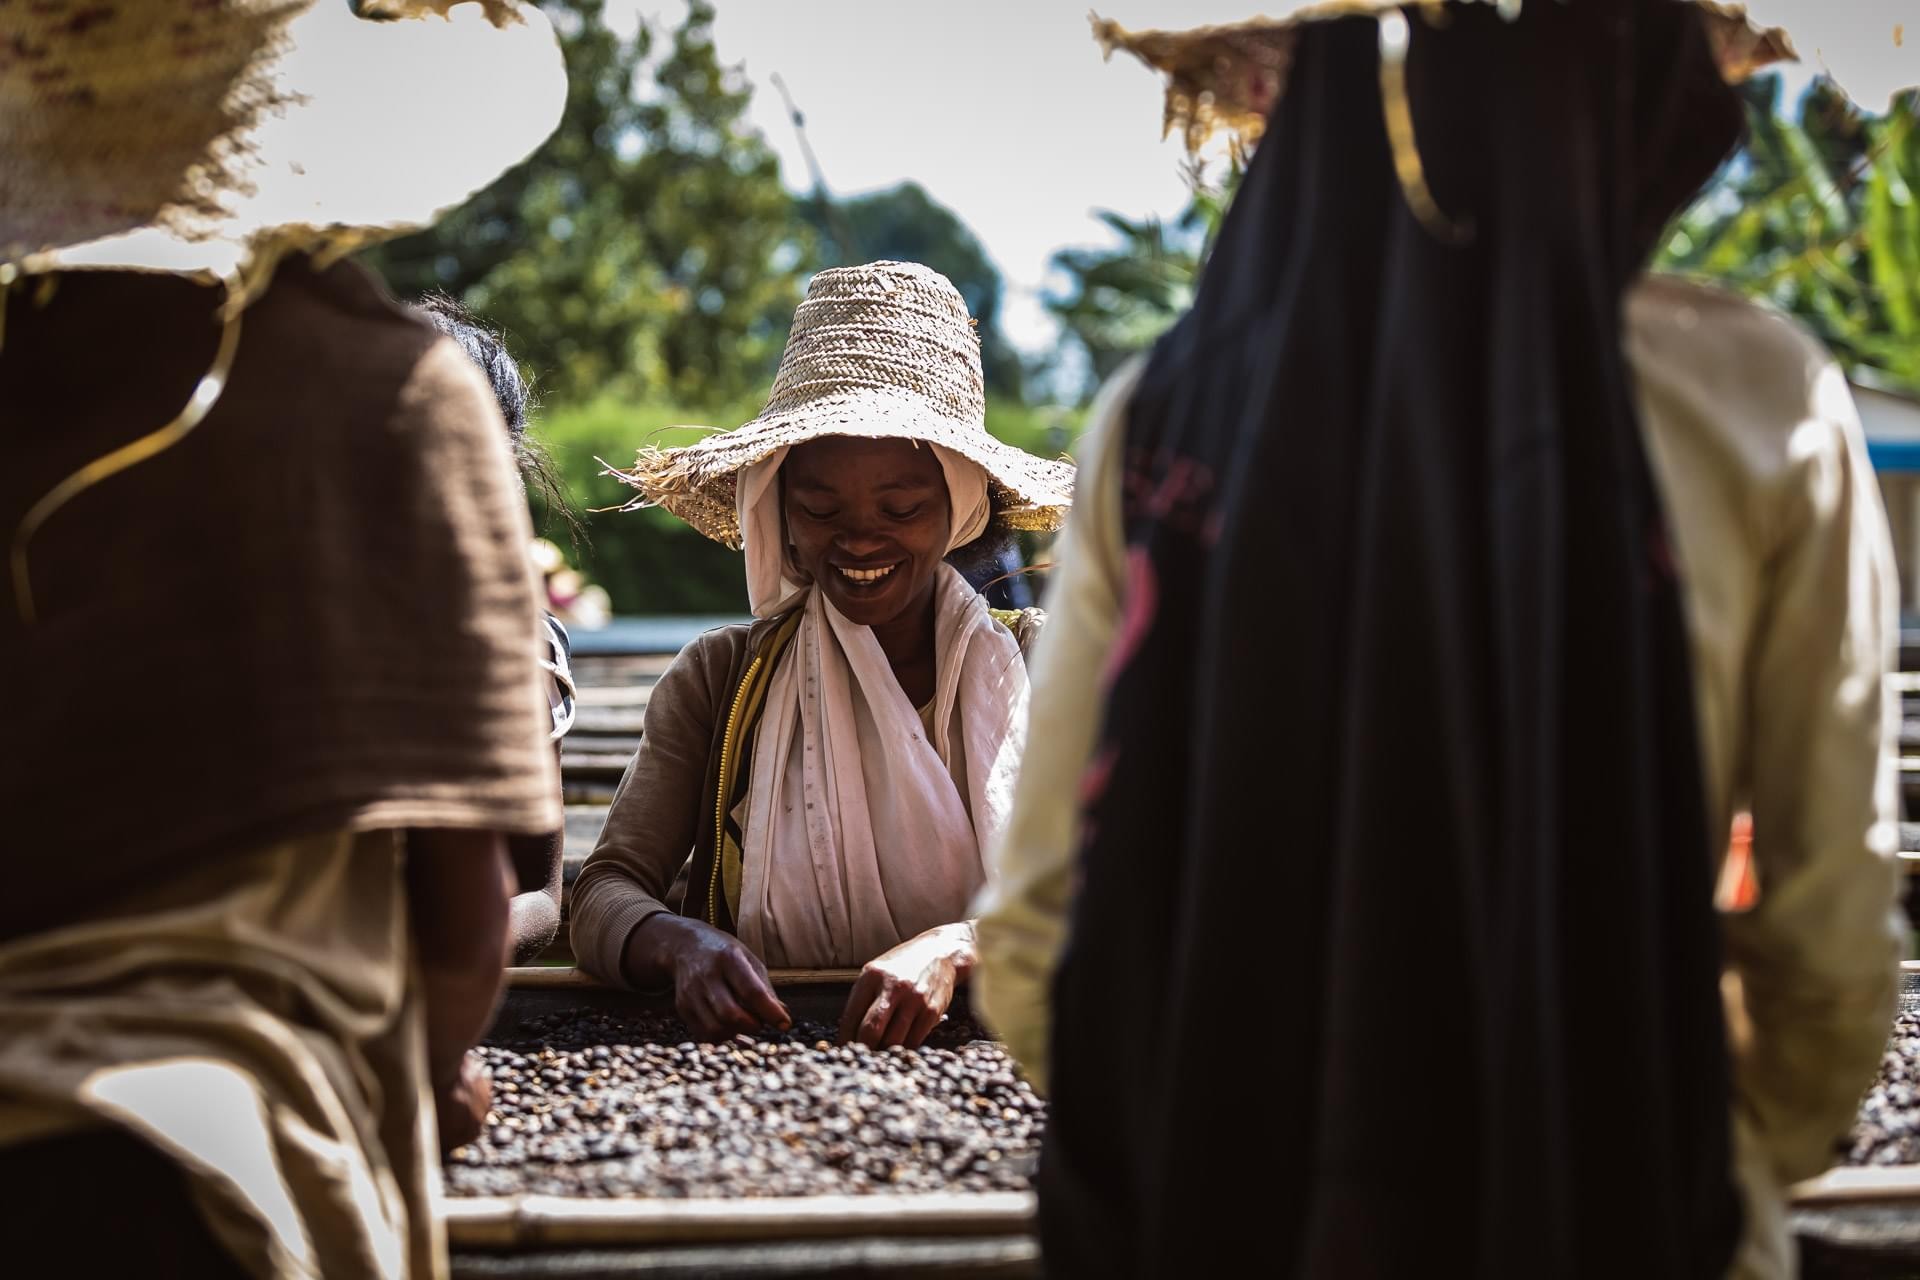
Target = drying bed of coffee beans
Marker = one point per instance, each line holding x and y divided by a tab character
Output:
1888	1128
593	1104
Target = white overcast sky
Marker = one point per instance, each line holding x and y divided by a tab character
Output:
1004	110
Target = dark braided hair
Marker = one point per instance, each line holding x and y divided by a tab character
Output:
979	561
510	391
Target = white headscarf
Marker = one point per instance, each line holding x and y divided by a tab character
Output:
858	831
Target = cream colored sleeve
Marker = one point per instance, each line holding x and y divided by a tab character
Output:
1818	958
1023	912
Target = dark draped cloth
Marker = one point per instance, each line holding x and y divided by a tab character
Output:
1394	951
313	614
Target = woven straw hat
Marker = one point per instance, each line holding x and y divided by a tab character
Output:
1227	75
206	137
884	351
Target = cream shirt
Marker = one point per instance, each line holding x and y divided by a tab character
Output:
1792	601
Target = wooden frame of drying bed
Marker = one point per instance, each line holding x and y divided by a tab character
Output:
521	1222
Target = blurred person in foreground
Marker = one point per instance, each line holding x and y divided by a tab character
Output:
817	789
538	861
273	706
1384	747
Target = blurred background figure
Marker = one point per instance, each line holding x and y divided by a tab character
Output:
571	599
539	861
1002	578
1374	535
274	706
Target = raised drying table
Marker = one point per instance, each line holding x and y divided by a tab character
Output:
880	1234
1851	1223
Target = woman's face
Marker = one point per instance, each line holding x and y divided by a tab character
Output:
869	523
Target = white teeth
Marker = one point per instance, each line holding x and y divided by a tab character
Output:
868	575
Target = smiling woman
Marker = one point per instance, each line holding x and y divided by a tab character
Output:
869	523
864	508
815	789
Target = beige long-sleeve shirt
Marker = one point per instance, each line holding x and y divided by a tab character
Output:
1792	601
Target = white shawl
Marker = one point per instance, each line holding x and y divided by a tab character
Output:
858	832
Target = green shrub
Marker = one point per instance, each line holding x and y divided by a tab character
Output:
648	561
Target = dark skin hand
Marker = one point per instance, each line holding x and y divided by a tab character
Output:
720	988
534	916
458	887
901	996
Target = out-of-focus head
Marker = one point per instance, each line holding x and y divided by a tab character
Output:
207	137
1228	62
511	391
489	351
1561	121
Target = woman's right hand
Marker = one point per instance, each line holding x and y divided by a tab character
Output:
720	988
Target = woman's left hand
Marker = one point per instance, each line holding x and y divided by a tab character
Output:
901	996
461	1107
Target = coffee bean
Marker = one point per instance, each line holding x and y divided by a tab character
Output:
1887	1130
594	1104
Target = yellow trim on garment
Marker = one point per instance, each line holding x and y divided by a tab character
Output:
748	700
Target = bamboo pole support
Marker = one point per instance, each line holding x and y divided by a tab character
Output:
1884	1183
554	978
516	1222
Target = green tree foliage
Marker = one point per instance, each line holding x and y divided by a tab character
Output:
648	561
1818	215
648	250
905	224
1120	299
